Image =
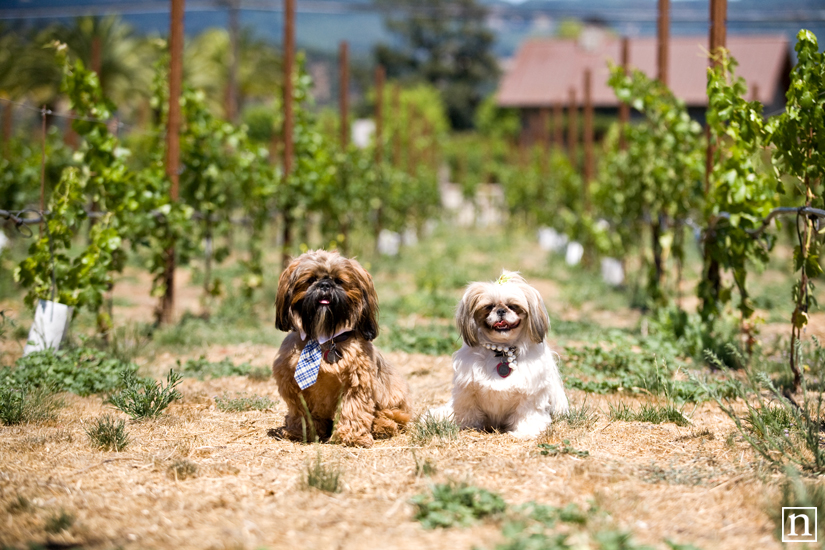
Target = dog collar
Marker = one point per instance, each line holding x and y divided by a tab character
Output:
508	354
330	351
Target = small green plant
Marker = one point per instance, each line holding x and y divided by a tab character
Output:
581	416
19	405
58	522
145	398
81	370
655	414
456	504
108	433
322	476
181	469
428	427
241	403
564	449
201	368
19	505
782	430
259	374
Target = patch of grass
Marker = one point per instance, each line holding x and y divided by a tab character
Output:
19	405
242	402
431	339
181	469
427	428
19	505
81	370
259	374
564	448
655	414
59	521
108	433
145	398
202	369
782	429
580	417
456	504
322	476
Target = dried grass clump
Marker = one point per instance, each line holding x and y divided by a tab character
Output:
427	428
181	469
322	476
19	405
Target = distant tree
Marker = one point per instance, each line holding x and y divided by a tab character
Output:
445	43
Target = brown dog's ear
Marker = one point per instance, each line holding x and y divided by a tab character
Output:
283	301
539	321
366	323
465	314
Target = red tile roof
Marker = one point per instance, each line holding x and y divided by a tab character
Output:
544	70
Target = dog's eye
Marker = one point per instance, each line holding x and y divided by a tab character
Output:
488	308
338	281
516	309
311	280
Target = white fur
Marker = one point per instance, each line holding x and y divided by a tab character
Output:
525	402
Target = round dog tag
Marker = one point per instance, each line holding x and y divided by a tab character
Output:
503	369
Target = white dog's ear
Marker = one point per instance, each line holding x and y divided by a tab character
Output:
465	314
539	320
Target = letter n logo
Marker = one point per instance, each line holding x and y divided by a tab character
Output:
799	524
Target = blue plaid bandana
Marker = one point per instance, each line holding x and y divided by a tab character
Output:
309	363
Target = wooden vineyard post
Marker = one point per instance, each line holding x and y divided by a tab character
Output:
343	92
396	136
167	307
558	125
663	42
588	137
289	61
380	75
624	107
572	129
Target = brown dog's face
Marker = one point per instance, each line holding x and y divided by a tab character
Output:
322	293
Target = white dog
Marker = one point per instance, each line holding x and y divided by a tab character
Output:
505	375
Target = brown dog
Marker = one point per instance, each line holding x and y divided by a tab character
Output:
328	305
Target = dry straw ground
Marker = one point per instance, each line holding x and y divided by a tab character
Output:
688	484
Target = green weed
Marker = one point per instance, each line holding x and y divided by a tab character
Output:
782	430
581	416
81	370
456	504
430	339
202	369
427	428
241	403
19	505
145	398
259	374
322	476
108	433
19	405
58	522
655	414
564	449
424	467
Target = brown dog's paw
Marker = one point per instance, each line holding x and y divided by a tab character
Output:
281	433
354	440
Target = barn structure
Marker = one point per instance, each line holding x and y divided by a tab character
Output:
547	75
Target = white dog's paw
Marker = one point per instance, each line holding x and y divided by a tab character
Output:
530	427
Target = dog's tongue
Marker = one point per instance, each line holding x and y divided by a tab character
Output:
323	302
502	325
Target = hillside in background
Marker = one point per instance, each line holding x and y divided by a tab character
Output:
322	24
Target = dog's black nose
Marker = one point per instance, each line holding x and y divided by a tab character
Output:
324	284
501	312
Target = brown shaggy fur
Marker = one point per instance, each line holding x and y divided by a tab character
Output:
361	390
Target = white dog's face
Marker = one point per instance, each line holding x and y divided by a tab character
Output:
503	313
